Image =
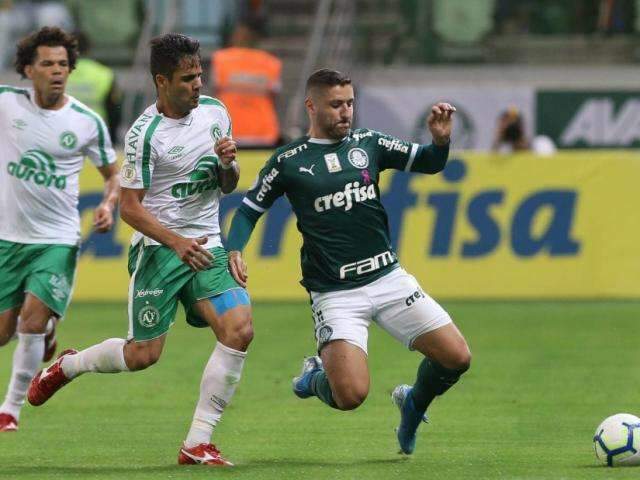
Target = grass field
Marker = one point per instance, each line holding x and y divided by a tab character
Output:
543	376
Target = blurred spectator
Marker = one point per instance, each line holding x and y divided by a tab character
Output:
112	26
511	137
5	26
20	17
616	16
546	16
211	22
247	79
95	85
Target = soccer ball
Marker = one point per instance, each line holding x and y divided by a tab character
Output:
617	440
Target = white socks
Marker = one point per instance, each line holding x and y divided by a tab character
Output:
26	361
105	357
219	381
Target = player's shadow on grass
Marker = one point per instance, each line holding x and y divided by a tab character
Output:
257	464
127	472
132	472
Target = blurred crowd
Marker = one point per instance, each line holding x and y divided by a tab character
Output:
113	27
246	78
555	17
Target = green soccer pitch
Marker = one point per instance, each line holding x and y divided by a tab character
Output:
543	376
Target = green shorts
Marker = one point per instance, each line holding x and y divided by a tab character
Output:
159	279
44	270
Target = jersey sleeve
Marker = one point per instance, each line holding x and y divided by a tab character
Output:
139	156
99	149
394	153
267	188
229	126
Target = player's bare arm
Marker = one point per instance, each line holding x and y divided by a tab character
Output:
103	214
440	122
189	250
229	173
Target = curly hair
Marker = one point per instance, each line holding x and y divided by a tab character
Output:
167	51
27	48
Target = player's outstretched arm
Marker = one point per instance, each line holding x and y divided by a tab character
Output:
190	250
228	173
433	158
242	225
103	214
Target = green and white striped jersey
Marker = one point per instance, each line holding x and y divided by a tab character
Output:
42	153
173	160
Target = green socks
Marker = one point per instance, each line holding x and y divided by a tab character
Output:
321	388
432	380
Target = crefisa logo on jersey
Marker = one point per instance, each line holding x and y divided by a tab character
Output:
352	193
358	158
38	167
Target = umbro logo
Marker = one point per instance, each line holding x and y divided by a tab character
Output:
176	150
307	170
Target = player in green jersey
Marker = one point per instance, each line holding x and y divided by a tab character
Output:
349	266
178	163
45	136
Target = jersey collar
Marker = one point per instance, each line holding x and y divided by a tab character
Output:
326	141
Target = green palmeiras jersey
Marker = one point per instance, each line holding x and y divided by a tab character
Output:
333	190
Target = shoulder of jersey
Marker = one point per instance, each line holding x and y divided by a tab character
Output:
207	101
81	108
290	150
146	117
360	134
8	91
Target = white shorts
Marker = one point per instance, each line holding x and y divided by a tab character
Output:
395	302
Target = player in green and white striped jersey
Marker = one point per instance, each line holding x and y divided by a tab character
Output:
179	159
44	138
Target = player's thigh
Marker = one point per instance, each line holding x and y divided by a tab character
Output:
212	298
228	314
50	281
347	370
34	315
403	309
8	323
446	345
342	315
157	277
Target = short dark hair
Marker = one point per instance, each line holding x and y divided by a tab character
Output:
27	48
168	50
327	78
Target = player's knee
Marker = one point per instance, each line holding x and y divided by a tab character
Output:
238	333
350	396
460	359
33	324
142	358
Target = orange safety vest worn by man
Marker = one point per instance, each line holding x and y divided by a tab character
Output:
246	80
